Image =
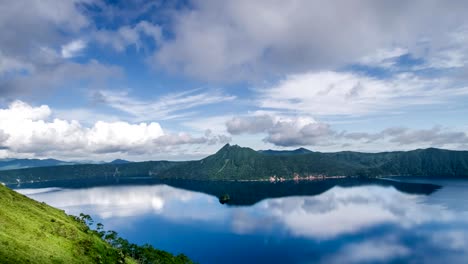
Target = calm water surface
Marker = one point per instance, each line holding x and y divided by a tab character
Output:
335	222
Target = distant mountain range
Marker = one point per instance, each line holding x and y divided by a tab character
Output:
119	161
238	163
285	152
11	164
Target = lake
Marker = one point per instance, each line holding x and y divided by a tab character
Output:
330	221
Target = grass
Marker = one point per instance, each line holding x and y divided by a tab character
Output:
33	232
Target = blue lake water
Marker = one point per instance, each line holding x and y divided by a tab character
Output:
337	223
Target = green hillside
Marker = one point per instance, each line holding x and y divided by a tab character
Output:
238	163
33	232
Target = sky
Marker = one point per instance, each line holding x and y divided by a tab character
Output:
176	80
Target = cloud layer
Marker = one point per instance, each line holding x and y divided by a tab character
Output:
244	40
305	131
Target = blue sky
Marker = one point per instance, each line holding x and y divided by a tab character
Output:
147	80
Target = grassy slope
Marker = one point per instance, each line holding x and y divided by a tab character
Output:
33	232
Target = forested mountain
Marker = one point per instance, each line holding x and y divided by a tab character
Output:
238	163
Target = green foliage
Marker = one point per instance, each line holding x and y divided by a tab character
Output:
145	254
33	232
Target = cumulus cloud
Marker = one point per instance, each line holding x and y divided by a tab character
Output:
299	133
282	131
242	40
250	125
30	130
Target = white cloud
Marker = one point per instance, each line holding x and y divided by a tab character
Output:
383	57
171	106
447	53
73	48
217	124
372	205
346	93
19	110
111	202
86	116
299	132
323	217
435	136
128	35
373	251
30	130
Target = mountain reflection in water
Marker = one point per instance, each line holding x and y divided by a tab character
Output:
332	222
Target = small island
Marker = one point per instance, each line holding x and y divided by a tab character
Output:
224	198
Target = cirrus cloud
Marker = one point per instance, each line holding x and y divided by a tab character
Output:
346	93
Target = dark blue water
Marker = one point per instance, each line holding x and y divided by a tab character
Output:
337	222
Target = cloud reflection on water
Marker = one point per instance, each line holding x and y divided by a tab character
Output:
370	224
121	201
336	212
346	210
